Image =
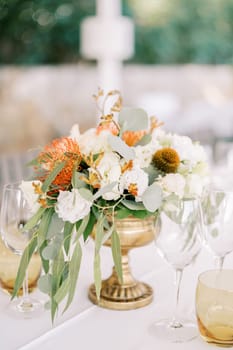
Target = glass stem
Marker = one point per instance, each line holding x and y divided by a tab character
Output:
175	319
25	286
25	305
219	260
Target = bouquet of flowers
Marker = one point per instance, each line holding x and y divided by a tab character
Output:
126	166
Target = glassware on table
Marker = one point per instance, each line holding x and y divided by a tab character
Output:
178	242
14	215
214	306
217	223
9	263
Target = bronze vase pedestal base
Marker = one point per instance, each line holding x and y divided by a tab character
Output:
131	294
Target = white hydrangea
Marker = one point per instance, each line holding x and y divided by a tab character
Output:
71	206
173	183
143	155
188	150
30	195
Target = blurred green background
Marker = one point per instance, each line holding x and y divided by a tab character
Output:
167	31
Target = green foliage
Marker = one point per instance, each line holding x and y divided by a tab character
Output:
41	31
116	254
120	147
185	31
133	119
177	31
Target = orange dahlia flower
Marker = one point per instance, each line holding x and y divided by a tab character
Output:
60	150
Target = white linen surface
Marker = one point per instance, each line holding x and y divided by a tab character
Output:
85	326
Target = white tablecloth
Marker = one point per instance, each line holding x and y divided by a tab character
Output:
85	326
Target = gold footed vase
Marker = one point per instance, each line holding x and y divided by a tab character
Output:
131	294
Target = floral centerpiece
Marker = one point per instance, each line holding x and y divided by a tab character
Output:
126	166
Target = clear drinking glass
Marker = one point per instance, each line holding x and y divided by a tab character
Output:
14	215
217	223
178	242
214	306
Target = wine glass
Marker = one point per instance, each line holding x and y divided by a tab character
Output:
214	300
14	215
217	223
178	242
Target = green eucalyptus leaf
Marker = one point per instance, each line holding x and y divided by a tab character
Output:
68	229
54	308
152	198
119	146
105	189
52	176
50	252
25	259
86	194
107	234
57	269
99	235
116	253
62	291
56	225
97	274
45	283
133	205
82	227
45	263
73	273
89	228
153	173
44	225
33	221
76	182
144	140
133	119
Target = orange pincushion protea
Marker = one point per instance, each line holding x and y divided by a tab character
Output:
60	150
132	137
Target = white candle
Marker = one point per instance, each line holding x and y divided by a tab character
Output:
108	8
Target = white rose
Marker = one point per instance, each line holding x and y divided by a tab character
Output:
30	195
137	177
173	183
71	206
194	186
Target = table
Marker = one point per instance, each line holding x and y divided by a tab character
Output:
86	326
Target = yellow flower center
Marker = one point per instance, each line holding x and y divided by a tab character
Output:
166	160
